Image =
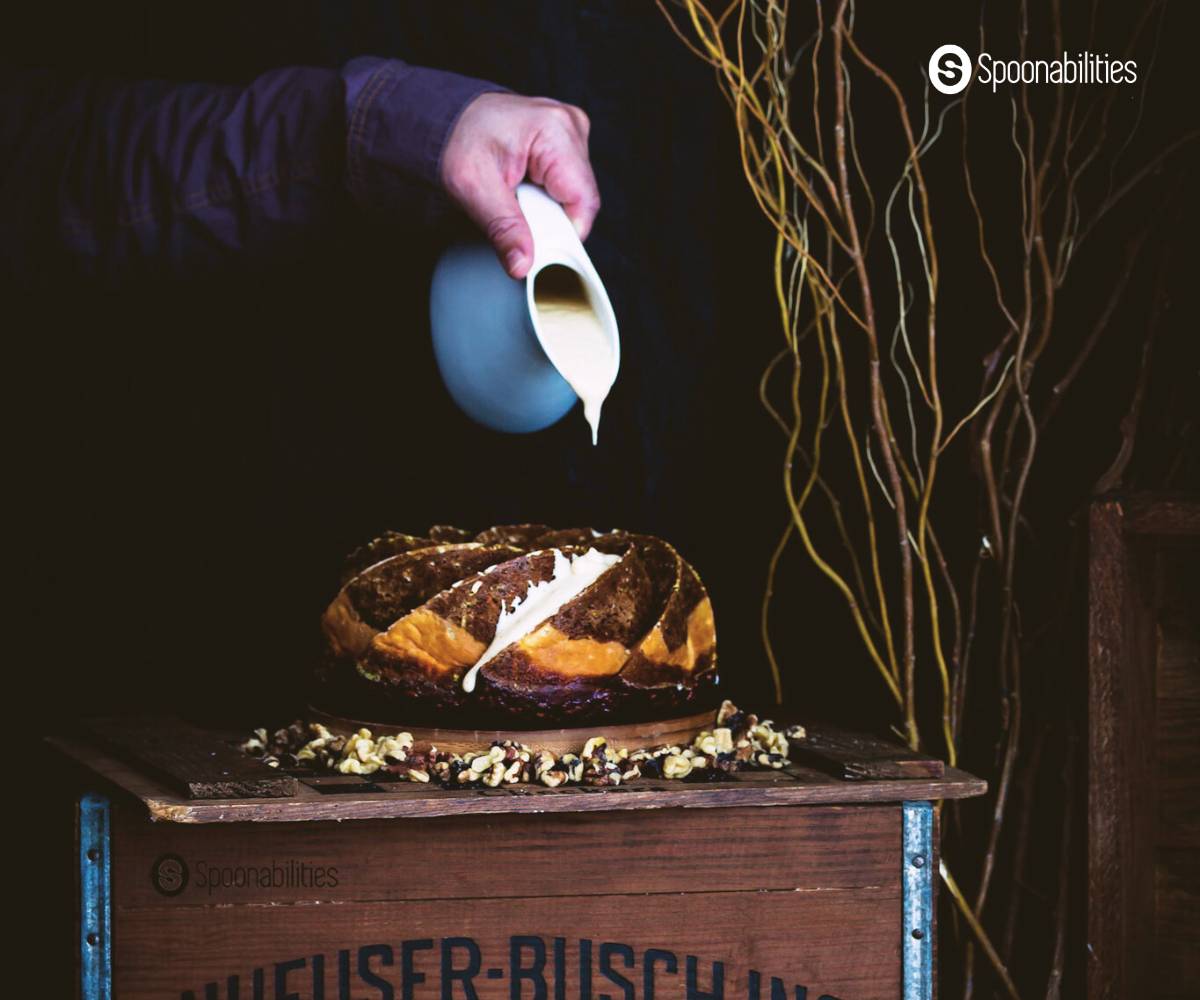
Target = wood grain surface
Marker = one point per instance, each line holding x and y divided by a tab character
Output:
633	735
809	896
795	785
1144	748
189	760
854	756
569	854
840	943
1176	956
1121	757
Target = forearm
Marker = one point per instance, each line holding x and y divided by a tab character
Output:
117	177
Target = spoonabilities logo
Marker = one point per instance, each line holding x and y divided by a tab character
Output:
950	69
169	875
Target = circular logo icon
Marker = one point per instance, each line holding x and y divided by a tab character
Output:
950	69
169	875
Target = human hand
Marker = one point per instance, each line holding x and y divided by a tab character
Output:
499	141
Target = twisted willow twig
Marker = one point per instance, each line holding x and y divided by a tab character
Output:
883	401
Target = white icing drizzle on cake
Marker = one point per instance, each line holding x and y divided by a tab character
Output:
572	575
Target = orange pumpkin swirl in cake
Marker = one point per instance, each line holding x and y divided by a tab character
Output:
518	625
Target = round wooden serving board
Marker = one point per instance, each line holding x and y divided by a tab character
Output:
632	736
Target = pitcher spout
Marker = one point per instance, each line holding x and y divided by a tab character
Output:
569	306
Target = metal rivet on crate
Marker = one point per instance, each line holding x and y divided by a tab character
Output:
918	933
93	854
918	860
92	938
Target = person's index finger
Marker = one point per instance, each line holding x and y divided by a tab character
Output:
493	205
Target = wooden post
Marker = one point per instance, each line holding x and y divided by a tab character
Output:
1143	743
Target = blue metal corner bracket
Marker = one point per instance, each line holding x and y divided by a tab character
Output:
95	907
918	876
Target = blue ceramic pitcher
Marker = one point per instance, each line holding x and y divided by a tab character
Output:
487	334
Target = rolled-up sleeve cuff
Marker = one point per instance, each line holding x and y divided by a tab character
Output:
398	120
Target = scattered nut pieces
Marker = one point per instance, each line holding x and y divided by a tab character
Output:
395	747
593	745
738	741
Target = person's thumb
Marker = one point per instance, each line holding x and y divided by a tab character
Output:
493	206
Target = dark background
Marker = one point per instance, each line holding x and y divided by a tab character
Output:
188	460
200	454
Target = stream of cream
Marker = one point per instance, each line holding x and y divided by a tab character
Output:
541	601
575	338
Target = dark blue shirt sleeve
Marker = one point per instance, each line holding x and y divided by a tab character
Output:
106	178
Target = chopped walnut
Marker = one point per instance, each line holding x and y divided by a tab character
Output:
738	740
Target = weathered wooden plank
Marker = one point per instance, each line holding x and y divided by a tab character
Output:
796	786
1144	741
189	759
636	945
1177	707
1120	707
673	850
855	757
1177	922
1176	949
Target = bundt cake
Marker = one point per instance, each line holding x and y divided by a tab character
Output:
518	625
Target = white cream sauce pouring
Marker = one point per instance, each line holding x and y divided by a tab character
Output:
575	338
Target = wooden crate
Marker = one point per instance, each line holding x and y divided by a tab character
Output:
799	884
1144	753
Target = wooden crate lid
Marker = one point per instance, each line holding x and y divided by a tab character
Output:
829	768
